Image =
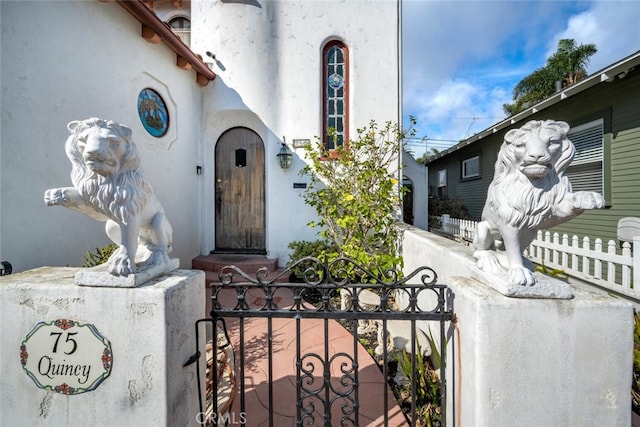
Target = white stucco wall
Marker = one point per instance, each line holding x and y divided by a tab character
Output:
64	61
150	331
268	62
571	358
269	68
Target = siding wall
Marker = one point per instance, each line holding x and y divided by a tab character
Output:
473	191
622	142
618	103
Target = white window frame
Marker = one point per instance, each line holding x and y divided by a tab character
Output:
586	171
466	162
336	99
442	178
182	31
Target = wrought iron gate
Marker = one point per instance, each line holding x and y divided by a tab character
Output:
257	324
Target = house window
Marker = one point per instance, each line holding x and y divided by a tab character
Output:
181	27
442	183
336	90
442	178
471	167
586	170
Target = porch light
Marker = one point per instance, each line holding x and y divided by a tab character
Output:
285	157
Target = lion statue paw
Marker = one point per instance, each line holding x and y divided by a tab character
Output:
588	200
120	263
57	197
158	255
520	275
487	261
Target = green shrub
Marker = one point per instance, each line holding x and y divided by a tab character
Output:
428	385
556	273
454	207
100	256
305	248
356	192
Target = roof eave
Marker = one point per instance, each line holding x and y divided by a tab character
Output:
155	31
606	75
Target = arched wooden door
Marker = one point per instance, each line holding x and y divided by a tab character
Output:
240	205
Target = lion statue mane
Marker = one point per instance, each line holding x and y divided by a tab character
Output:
108	185
529	191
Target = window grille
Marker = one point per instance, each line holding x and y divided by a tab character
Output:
586	169
181	27
335	95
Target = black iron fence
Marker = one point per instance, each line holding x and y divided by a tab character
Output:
337	345
5	268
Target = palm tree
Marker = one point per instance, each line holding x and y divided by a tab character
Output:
571	60
567	66
427	155
532	89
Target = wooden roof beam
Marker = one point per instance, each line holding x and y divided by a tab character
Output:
154	31
150	35
183	63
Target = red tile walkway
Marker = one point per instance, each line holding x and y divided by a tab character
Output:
372	384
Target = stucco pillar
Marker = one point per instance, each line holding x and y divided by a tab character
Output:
541	362
151	334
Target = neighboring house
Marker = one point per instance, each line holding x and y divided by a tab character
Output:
254	74
603	111
415	211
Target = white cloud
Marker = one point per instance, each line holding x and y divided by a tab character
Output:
459	109
611	25
463	58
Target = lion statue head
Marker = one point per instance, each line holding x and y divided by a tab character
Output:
531	164
106	166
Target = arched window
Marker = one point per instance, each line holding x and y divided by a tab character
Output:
336	94
181	27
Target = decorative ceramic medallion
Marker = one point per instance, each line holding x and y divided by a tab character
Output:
335	81
153	112
66	356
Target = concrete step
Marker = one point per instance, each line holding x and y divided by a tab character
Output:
212	277
250	264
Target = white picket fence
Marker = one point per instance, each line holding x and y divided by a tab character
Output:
463	229
605	265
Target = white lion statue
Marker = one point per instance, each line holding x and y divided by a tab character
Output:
108	186
529	191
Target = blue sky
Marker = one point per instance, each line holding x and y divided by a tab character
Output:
461	59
